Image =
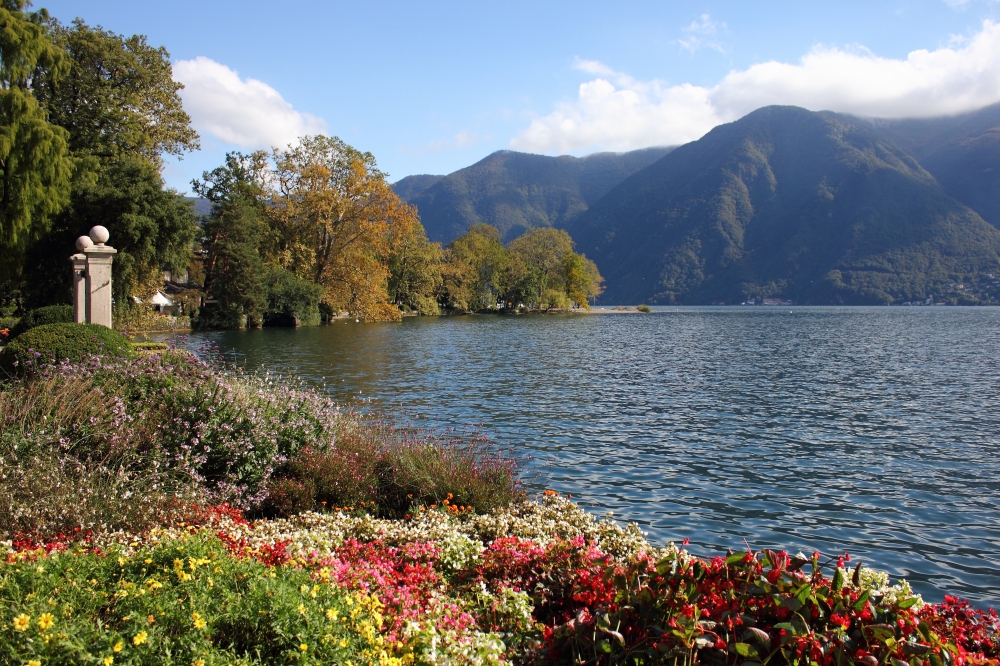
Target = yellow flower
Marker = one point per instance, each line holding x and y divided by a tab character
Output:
108	661
331	615
21	622
45	621
303	647
118	646
139	638
343	643
199	662
199	621
34	662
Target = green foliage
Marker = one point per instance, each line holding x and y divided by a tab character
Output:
415	272
476	269
644	308
35	165
183	601
149	226
119	97
51	314
150	346
120	110
52	343
291	300
537	267
515	192
235	271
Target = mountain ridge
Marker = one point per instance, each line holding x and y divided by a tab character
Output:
816	207
516	191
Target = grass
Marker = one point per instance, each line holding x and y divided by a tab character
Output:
106	446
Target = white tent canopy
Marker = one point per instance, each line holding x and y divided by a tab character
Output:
161	300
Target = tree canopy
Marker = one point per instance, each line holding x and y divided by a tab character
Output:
36	168
111	110
536	270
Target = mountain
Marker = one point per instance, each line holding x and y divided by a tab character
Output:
202	206
518	191
962	152
409	187
787	203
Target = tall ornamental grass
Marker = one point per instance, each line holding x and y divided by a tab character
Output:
124	445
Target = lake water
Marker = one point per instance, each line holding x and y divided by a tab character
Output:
868	430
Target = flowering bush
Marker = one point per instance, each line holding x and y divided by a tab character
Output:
105	445
186	600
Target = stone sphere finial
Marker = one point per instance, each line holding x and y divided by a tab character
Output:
83	242
99	235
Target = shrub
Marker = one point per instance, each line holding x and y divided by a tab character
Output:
291	301
185	601
52	343
150	346
392	468
643	308
50	314
109	445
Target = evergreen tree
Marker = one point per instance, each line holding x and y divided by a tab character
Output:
35	166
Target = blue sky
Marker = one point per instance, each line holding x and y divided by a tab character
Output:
433	87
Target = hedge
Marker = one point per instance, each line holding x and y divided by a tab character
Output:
52	343
50	314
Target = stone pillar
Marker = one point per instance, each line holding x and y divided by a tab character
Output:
99	278
79	262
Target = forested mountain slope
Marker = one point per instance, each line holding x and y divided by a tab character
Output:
518	191
962	152
813	207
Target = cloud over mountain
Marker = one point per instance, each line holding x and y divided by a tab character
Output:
244	112
616	112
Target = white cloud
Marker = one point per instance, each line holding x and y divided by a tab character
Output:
699	35
247	113
616	112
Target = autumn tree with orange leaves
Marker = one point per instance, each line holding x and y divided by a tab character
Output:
337	221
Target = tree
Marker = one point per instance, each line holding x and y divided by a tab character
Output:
35	166
239	181
118	98
415	272
337	221
537	265
235	274
582	279
476	269
291	301
119	108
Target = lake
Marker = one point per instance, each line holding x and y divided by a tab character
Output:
868	430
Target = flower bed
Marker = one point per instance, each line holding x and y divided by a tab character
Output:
536	582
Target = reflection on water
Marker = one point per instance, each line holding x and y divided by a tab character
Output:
870	430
